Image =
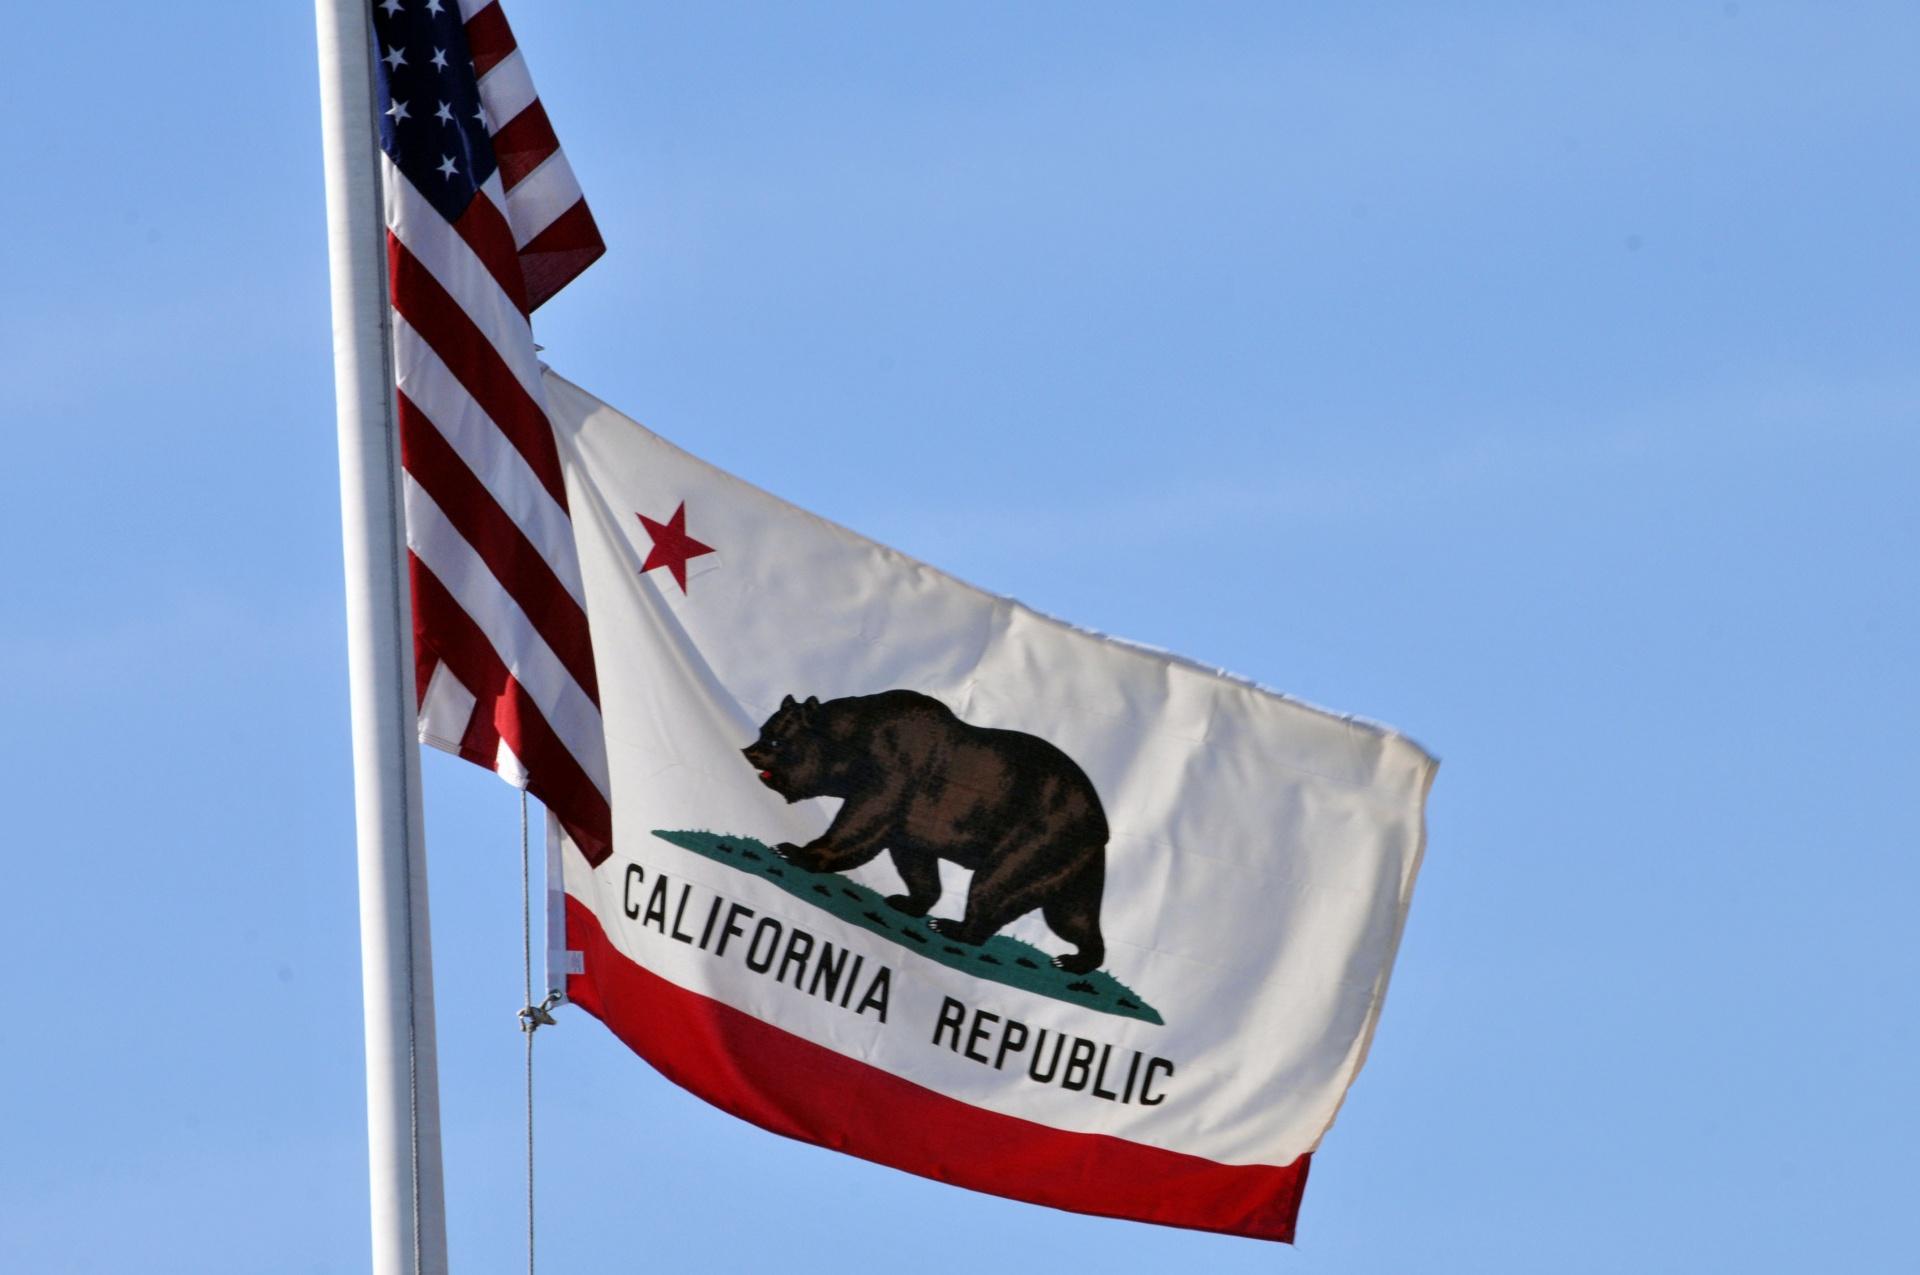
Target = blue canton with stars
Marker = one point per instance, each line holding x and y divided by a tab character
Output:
431	121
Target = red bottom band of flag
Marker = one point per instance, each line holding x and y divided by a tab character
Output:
791	1086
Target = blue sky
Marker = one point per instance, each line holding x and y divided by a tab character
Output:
1536	378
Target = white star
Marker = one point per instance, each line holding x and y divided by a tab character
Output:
444	114
392	7
395	59
481	115
398	110
439	59
446	166
433	7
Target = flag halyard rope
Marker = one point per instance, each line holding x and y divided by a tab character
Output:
532	1017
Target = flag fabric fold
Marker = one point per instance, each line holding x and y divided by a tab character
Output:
910	871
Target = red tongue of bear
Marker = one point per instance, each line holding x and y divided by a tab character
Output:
766	774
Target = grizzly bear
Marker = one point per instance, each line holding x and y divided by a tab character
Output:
923	785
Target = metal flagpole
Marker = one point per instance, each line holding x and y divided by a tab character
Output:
403	1105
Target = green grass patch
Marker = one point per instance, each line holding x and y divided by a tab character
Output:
1001	959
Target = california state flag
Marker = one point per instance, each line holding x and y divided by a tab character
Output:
907	870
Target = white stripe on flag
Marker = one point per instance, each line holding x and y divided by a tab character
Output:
445	710
541	196
507	766
506	90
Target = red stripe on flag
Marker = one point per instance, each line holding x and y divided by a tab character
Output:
424	663
484	228
553	775
512	558
474	361
481	740
524	144
794	1087
489	38
555	257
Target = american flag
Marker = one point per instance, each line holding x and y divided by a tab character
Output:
485	221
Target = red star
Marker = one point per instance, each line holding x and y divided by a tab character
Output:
672	546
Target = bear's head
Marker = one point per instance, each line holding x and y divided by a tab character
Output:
793	756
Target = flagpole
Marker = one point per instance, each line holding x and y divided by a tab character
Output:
403	1106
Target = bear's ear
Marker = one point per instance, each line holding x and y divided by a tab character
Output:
813	702
787	702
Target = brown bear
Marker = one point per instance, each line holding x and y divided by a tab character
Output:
920	783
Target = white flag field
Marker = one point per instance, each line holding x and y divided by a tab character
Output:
911	871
